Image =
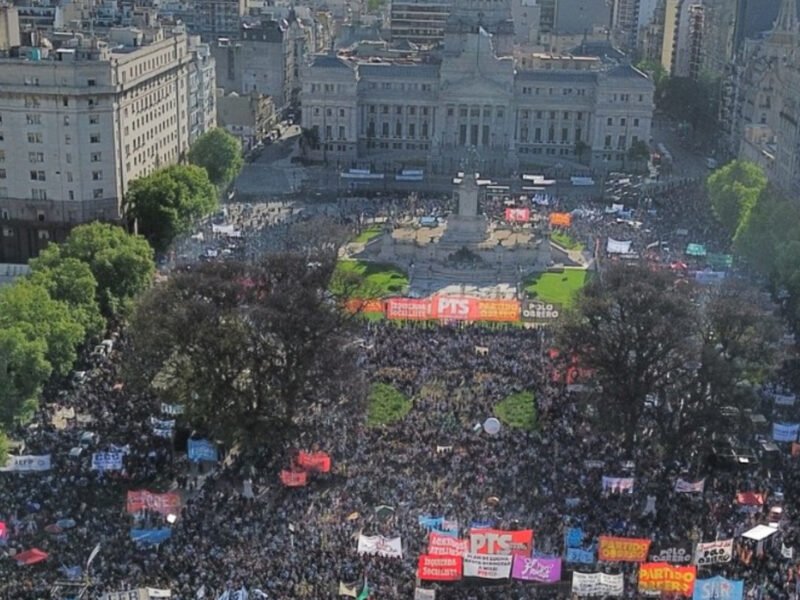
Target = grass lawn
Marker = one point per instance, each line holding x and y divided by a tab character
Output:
376	280
386	405
367	234
565	240
558	288
517	410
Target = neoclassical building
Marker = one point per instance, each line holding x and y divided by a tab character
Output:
433	109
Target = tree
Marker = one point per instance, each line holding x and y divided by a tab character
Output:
638	152
580	149
655	70
245	347
71	281
220	154
29	308
167	202
23	370
3	448
630	327
691	101
121	263
733	191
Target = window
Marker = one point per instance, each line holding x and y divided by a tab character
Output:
31	102
607	143
398	110
385	130
412	110
537	135
641	97
94	138
411	130
424	132
2	173
564	135
566	115
94	119
91	83
341	112
384	109
71	195
328	112
65	101
97	193
66	120
578	134
96	156
69	176
68	158
500	113
636	122
34	138
538	114
35	157
33	119
450	111
552	115
610	121
398	129
43	234
551	135
39	194
341	132
623	121
2	155
328	132
97	175
67	140
621	142
424	111
37	176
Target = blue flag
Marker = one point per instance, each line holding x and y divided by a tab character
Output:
150	537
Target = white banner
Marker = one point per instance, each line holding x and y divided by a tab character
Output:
382	546
172	409
785	432
687	487
618	485
597	584
423	594
27	463
713	553
784	399
107	461
617	247
488	566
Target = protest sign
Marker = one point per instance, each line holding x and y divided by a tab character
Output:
544	570
439	568
751	498
172	409
382	546
518	215
440	543
618	485
27	463
573	537
785	432
294	478
621	549
597	584
663	577
314	461
581	556
718	588
423	594
687	487
680	553
558	219
107	461
487	566
496	541
166	503
198	450
411	309
712	553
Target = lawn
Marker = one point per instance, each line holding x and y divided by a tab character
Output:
517	410
361	279
369	233
557	288
386	405
566	241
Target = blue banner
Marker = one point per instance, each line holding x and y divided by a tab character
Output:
202	450
580	555
718	588
431	522
150	536
573	538
482	524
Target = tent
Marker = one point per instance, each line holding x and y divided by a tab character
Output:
759	532
30	557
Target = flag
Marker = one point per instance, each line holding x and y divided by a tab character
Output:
92	555
347	590
364	595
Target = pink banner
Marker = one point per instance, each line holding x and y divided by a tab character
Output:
545	570
439	543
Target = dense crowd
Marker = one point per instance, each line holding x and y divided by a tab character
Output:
239	528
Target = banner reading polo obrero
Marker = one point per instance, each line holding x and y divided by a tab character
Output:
382	546
496	541
597	584
663	577
487	566
713	553
543	570
410	309
622	549
166	503
558	219
443	544
439	568
718	588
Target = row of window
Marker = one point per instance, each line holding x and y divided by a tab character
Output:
532	91
551	135
401	86
540	114
42	175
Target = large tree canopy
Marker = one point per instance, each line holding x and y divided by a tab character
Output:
219	153
245	347
166	203
734	190
23	369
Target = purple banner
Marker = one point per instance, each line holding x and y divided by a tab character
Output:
546	570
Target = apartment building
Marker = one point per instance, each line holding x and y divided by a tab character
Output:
79	122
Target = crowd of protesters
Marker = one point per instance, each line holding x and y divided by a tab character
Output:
240	529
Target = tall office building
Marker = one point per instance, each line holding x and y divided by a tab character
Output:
78	123
419	21
218	18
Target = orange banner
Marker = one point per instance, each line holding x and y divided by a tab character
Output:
167	503
314	461
560	219
498	310
355	305
621	549
294	478
663	577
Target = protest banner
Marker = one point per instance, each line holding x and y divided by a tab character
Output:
107	461
166	503
27	463
163	428
618	485
125	595
150	537
618	246
294	478
201	450
687	487
785	432
314	461
680	553
487	566
597	584
536	311
593	464
424	594
439	568
506	311
518	215
751	498
382	546
441	543
172	409
3	531
410	309
718	588
543	570
573	537
784	399
558	219
496	541
429	522
663	577
454	308
581	556
622	549
361	305
712	553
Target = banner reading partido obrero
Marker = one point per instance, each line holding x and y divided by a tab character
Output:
621	549
663	577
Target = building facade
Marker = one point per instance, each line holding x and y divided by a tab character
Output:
78	123
419	21
218	18
250	118
473	102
